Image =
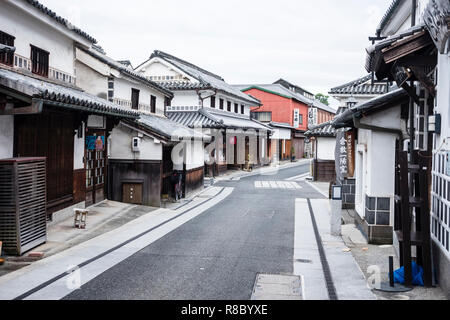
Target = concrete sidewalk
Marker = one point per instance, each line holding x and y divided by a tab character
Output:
102	218
50	278
347	277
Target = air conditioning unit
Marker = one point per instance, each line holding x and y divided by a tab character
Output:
136	144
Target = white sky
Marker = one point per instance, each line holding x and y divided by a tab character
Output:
316	44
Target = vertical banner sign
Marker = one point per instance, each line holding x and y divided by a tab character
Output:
350	137
341	156
312	116
296	118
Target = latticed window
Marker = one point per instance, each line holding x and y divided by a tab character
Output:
7	57
262	116
421	120
39	61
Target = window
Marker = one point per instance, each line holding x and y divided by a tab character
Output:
39	61
167	102
242	109
135	99
262	116
221	104
236	108
153	104
111	89
7	58
213	102
228	106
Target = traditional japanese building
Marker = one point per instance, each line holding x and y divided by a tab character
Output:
43	111
349	95
203	98
411	48
286	112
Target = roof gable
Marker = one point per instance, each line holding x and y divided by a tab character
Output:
203	76
60	20
360	86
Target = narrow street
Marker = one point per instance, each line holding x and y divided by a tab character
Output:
217	254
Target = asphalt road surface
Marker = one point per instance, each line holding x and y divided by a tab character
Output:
218	254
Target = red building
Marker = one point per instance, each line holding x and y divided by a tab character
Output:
287	112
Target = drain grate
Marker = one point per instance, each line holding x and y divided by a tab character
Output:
323	258
277	287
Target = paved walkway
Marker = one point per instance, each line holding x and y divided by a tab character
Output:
346	277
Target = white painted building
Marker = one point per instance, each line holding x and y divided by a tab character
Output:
202	98
44	113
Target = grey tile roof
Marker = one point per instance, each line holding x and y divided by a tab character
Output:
361	86
205	77
60	20
373	60
284	83
388	15
168	128
281	125
194	119
6	49
184	85
396	96
210	118
284	92
127	70
323	130
61	95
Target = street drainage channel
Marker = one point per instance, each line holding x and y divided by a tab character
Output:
277	287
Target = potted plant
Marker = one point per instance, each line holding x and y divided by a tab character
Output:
292	154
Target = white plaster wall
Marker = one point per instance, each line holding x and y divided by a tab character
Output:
443	100
360	177
326	148
122	90
78	150
158	69
29	30
195	156
91	81
381	164
281	134
120	146
389	118
6	137
185	98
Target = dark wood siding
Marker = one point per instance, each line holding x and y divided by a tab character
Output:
147	173
194	180
50	135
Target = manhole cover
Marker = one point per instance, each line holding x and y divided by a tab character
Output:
277	287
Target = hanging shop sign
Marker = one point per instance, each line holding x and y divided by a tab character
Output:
437	19
350	140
